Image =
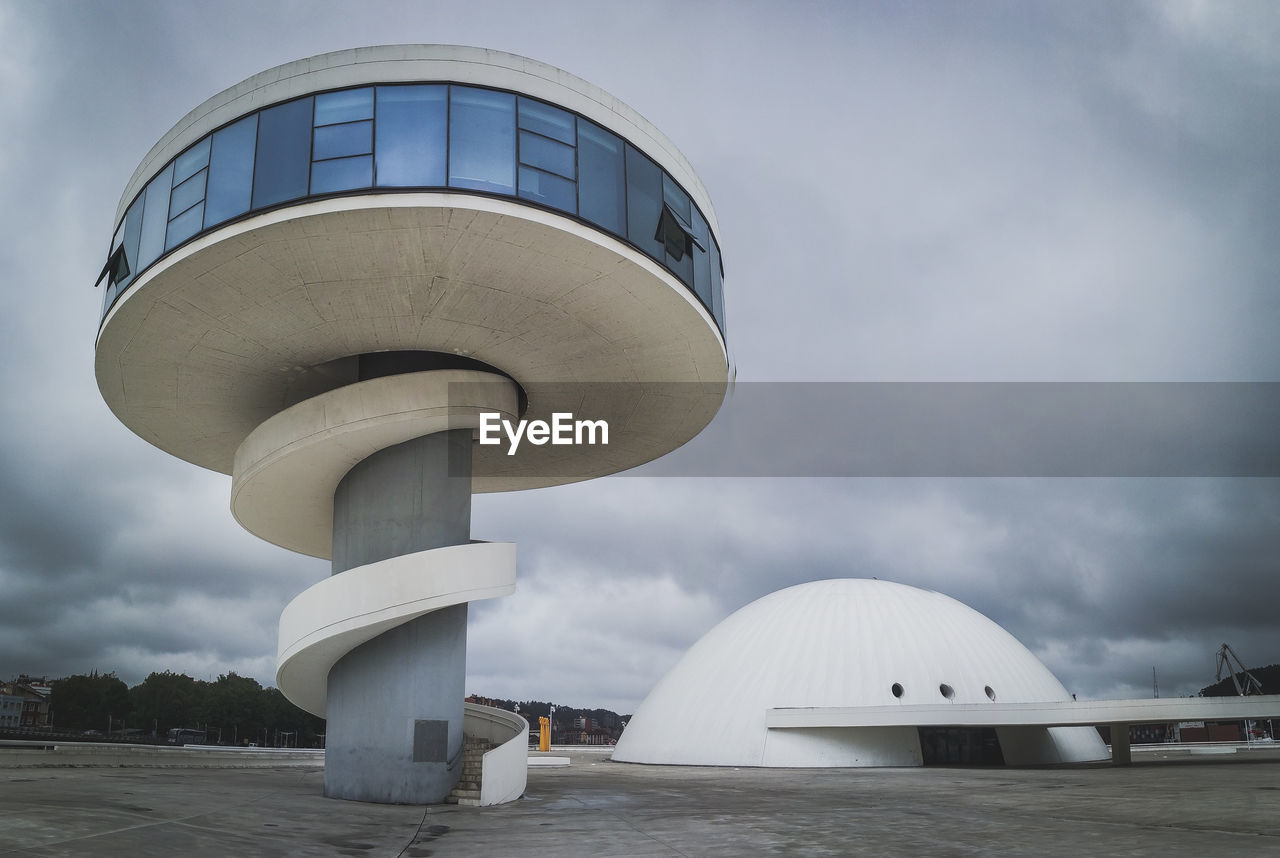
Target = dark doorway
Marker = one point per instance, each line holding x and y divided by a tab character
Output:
960	746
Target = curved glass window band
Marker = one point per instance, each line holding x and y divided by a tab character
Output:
421	136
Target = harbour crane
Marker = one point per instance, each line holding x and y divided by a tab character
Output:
1244	681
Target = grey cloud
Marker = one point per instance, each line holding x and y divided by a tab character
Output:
994	192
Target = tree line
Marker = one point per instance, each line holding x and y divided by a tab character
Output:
232	710
609	721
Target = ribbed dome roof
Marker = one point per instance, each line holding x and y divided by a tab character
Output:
845	642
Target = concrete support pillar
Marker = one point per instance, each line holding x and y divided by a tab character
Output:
394	705
1120	755
410	497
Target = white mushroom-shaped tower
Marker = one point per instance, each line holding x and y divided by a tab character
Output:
845	643
324	278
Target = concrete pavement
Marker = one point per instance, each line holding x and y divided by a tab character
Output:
1170	804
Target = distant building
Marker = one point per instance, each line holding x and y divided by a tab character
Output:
10	711
32	694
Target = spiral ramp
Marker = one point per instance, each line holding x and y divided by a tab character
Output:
287	470
378	648
328	620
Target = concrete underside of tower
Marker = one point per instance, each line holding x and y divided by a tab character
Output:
239	324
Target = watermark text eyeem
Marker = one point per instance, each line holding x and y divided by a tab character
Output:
562	429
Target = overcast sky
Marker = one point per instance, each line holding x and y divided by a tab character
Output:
1067	191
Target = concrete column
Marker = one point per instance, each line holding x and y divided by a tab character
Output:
410	497
1120	755
394	705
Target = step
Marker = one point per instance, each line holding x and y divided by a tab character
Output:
467	790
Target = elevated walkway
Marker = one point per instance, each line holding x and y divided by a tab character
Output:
1067	713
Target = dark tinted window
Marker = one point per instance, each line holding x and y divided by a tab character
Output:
677	230
230	171
338	141
155	218
187	194
701	261
482	140
547	120
184	226
127	235
132	233
412	136
284	153
546	188
644	202
345	106
195	158
546	154
675	197
681	263
341	174
717	298
601	180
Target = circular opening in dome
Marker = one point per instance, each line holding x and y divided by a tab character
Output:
990	693
947	691
897	689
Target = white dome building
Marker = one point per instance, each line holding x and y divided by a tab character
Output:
850	643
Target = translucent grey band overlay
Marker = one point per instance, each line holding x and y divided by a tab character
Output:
782	429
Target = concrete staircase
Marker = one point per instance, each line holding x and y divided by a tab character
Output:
467	791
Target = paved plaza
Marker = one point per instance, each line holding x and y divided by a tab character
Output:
1167	804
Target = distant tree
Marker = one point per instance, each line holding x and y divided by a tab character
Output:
282	717
74	702
165	700
609	722
234	705
89	702
115	698
234	708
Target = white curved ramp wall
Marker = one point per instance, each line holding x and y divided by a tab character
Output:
331	618
845	642
505	768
